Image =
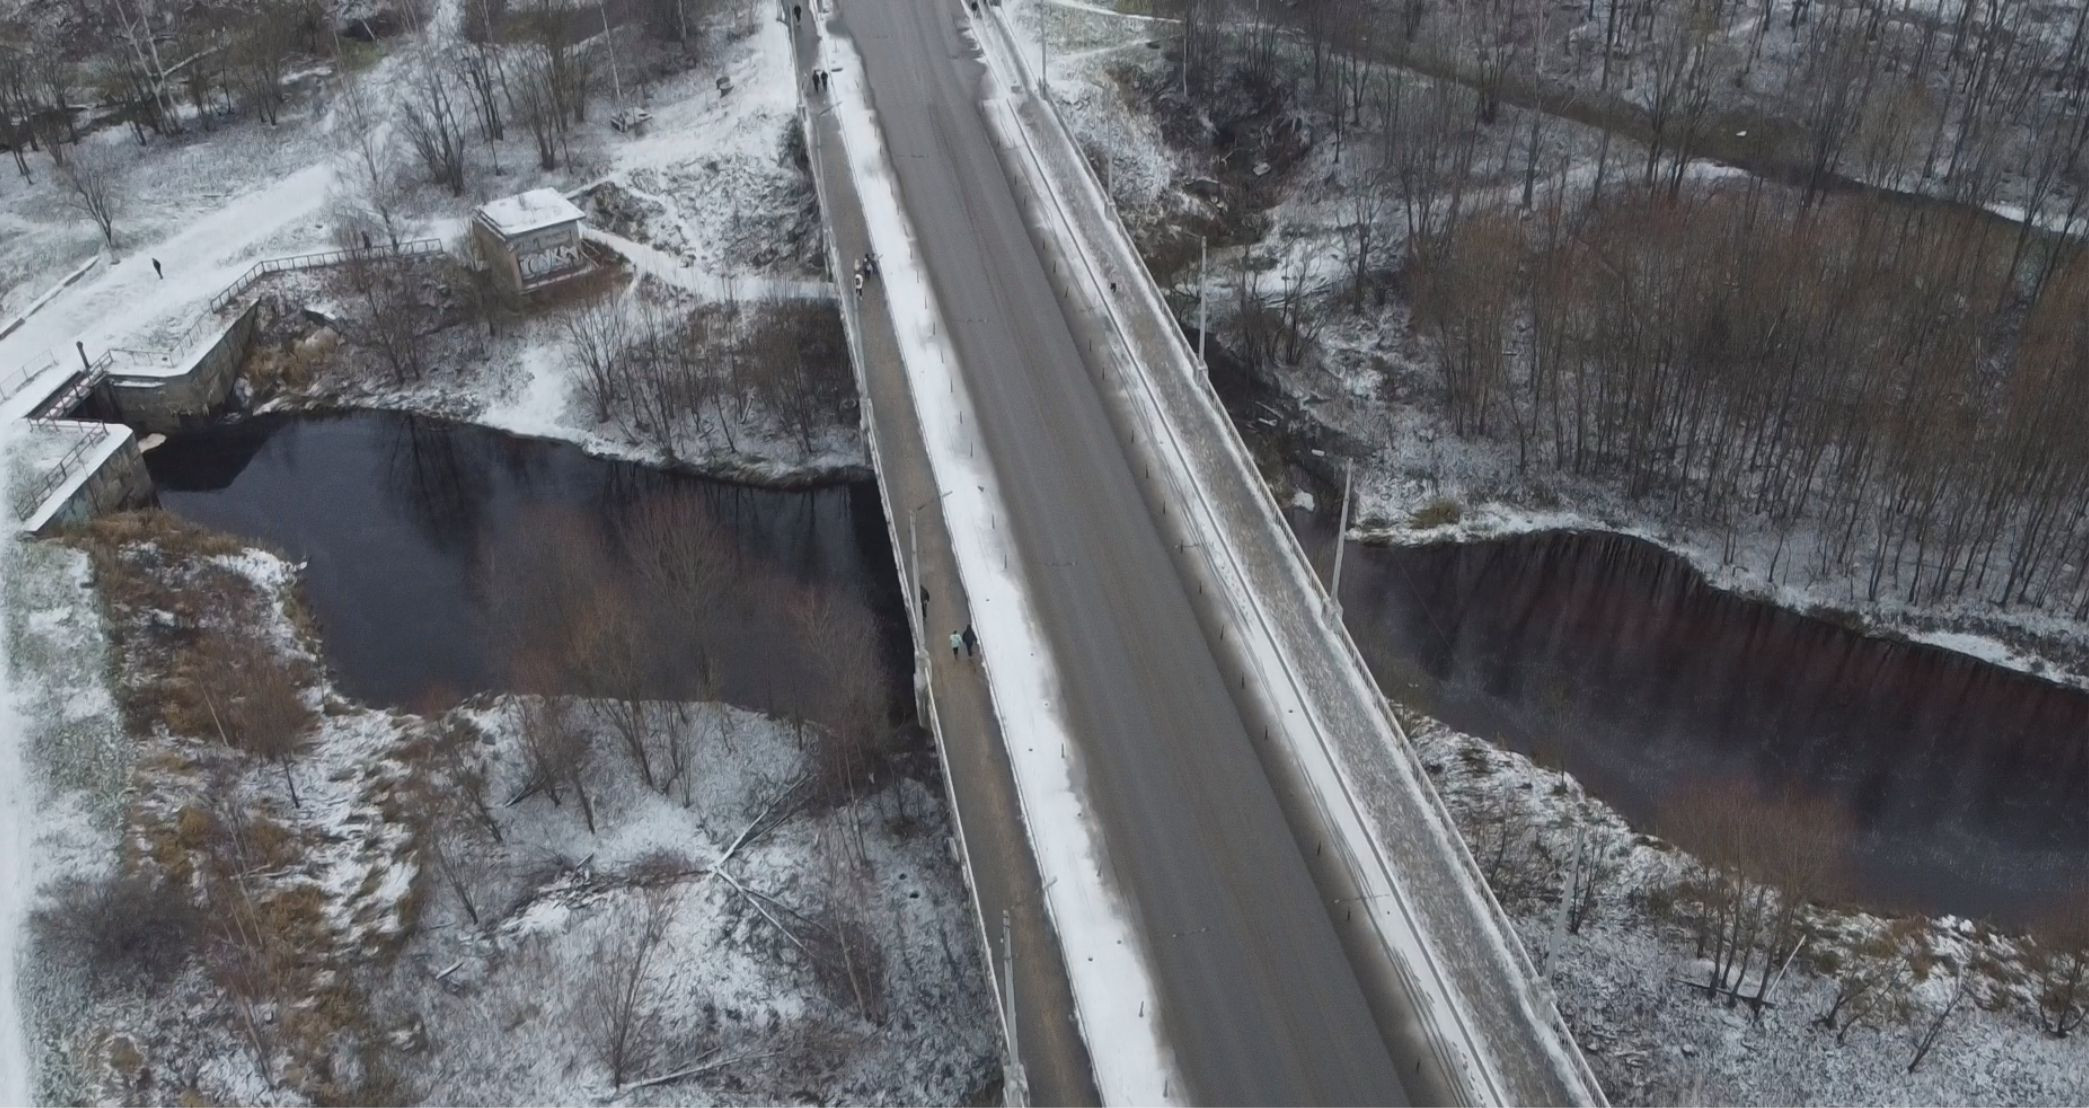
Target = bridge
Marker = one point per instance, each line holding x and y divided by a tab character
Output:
1206	864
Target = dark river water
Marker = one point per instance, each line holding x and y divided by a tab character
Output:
419	535
1967	784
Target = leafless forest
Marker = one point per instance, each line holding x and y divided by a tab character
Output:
1868	333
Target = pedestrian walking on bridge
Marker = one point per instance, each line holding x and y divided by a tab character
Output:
957	643
971	641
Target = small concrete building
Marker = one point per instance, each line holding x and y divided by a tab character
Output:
530	240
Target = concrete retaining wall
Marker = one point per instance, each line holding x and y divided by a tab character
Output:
119	482
171	402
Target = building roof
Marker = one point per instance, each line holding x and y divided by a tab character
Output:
530	211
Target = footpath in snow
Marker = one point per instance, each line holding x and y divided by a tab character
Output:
1113	989
17	837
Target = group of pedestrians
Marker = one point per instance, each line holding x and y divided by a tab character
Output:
866	266
966	640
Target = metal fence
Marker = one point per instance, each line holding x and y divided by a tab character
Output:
13	382
73	461
412	248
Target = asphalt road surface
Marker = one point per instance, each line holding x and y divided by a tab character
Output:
1259	1004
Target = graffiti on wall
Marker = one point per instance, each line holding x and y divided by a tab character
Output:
548	260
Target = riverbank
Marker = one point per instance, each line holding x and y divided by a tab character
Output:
1624	974
297	920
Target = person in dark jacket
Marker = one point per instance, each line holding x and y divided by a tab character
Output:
971	641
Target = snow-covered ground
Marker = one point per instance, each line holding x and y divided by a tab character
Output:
434	927
704	210
1113	991
18	800
1654	1040
68	761
705	206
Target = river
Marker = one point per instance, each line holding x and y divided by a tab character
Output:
1966	783
414	531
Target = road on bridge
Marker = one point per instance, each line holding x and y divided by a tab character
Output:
1259	1003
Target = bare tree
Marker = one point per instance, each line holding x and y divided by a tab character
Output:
616	659
1757	862
1871	981
369	174
428	115
94	190
261	54
613	1007
558	750
392	312
800	360
853	703
1362	233
599	336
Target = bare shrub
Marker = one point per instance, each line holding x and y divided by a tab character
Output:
2060	967
125	927
255	701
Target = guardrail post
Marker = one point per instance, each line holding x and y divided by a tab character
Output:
1334	588
1018	1091
1203	292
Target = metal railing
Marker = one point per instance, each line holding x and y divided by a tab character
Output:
68	464
412	248
1233	572
74	391
906	559
13	382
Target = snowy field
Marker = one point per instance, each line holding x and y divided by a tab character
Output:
706	208
423	920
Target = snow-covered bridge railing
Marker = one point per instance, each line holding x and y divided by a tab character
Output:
29	498
1492	1021
411	248
12	383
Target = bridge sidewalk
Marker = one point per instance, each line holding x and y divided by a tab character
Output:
1002	868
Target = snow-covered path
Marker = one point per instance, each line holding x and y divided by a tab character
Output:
17	838
1107	959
